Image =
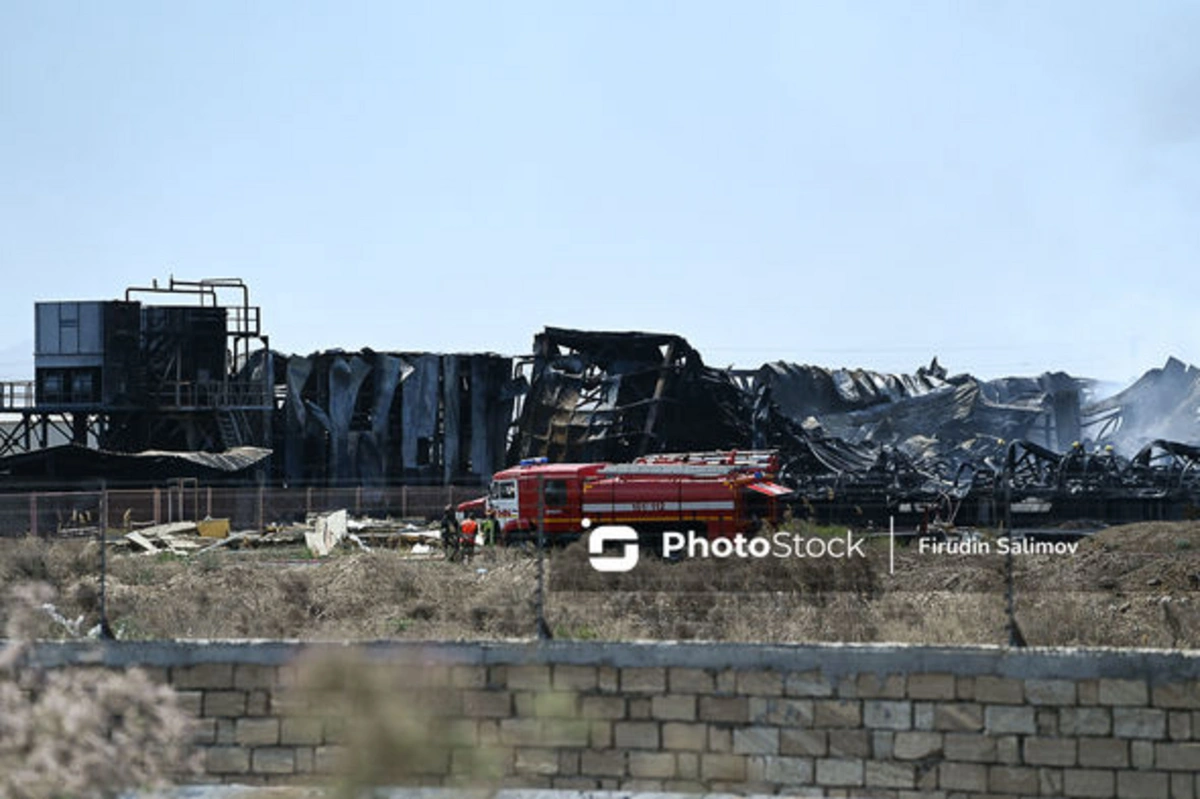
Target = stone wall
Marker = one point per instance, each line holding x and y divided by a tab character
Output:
819	720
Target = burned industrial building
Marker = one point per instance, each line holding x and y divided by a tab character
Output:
144	391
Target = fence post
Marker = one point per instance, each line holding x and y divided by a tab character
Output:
105	630
404	502
261	510
358	500
157	505
307	501
33	514
208	503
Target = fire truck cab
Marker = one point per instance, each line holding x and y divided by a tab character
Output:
717	494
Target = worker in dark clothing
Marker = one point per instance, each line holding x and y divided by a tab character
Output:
450	534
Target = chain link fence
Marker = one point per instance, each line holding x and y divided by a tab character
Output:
67	513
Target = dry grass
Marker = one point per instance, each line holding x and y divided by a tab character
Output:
1134	586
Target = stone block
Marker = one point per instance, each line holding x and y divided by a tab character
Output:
536	761
729	709
849	743
884	714
602	763
603	707
257	732
784	771
883	774
813	743
1013	780
1089	783
225	704
1178	757
644	680
1050	751
760	682
1103	753
680	736
636	734
1000	719
970	747
273	760
477	704
1123	692
652	765
932	686
837	713
574	678
528	678
807	683
1085	721
957	716
756	741
1142	785
840	772
999	690
1050	692
689	681
722	767
879	686
673	707
226	760
1138	722
916	745
971	777
1178	695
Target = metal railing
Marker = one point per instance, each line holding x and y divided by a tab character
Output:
212	394
17	395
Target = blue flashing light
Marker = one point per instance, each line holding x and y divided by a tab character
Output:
534	461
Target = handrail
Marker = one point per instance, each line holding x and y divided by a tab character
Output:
17	395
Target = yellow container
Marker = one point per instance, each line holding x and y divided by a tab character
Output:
213	528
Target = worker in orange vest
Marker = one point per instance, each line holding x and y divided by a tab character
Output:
469	529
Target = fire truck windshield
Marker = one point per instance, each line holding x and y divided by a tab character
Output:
503	489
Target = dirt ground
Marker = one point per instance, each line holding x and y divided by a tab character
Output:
1129	586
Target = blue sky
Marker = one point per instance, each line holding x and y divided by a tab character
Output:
1013	187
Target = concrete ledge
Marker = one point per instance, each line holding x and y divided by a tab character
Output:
242	792
833	660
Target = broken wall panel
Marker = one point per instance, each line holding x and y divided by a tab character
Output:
613	396
421	400
371	418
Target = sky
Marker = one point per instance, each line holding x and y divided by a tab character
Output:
1010	186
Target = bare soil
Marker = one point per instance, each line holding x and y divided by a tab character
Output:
1129	586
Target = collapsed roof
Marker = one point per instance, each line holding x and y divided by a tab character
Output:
597	396
874	437
74	462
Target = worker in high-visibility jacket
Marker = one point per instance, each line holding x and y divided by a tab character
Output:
488	528
469	530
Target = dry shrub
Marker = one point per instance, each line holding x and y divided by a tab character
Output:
393	721
81	732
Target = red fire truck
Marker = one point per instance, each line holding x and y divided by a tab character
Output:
718	494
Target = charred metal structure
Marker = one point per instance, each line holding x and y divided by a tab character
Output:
378	417
124	376
190	387
863	447
598	396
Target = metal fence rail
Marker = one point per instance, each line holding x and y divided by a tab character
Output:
65	513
